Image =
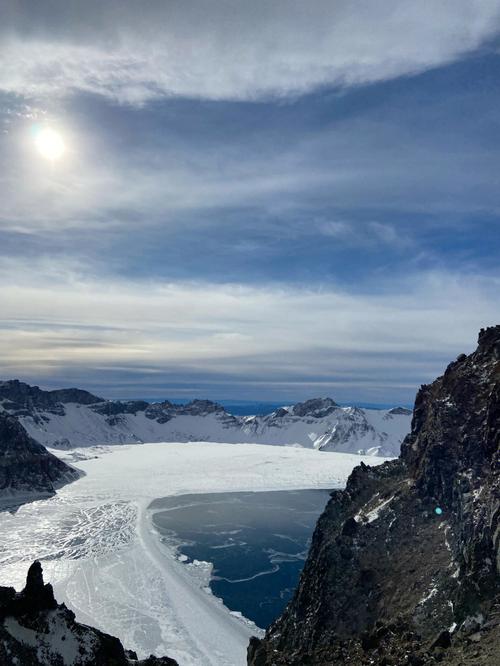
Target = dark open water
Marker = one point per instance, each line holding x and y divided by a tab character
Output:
257	542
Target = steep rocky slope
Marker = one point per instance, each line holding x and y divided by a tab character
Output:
21	399
71	417
404	563
27	469
37	631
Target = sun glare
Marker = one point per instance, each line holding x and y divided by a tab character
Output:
49	144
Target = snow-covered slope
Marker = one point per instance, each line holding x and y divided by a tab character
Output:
72	418
322	424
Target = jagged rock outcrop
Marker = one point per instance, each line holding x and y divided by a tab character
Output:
404	563
316	407
400	411
21	399
27	470
37	631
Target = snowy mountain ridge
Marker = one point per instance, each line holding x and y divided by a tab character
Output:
69	418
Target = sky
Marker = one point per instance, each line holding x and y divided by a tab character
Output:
257	201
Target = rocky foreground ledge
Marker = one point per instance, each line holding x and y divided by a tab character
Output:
37	631
404	563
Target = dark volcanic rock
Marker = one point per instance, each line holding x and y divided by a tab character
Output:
201	407
404	563
37	631
75	395
27	469
21	399
32	396
115	407
159	411
316	407
400	410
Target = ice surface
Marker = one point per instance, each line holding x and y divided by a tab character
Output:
107	563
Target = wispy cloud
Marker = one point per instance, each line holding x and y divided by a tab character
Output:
135	52
366	233
358	163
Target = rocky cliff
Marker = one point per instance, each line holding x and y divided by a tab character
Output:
404	563
27	469
37	631
21	399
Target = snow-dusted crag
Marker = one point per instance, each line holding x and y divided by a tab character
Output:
27	470
37	631
72	417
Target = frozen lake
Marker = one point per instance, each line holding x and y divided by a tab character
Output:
257	543
101	551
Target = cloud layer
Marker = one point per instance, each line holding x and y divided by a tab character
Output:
276	342
230	49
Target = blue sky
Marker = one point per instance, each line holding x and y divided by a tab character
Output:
256	202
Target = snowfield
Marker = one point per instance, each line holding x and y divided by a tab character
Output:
100	551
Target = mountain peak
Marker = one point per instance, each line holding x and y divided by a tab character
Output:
456	424
489	336
20	396
400	411
316	407
198	406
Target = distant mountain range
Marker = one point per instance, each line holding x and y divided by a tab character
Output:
68	418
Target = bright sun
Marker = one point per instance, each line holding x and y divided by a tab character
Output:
49	144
